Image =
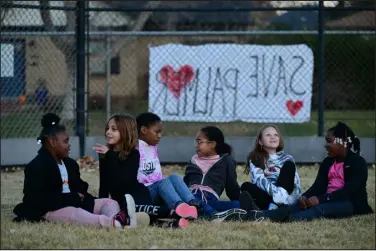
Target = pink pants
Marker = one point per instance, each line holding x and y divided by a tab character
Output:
103	215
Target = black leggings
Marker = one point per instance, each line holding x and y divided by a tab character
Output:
285	180
144	203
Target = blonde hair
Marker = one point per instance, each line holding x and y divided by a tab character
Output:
258	155
127	127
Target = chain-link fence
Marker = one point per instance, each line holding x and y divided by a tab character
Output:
37	66
134	66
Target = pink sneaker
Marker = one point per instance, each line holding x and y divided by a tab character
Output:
186	211
183	223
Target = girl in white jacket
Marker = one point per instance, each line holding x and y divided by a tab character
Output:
274	177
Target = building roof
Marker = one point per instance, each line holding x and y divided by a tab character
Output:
359	20
32	18
233	17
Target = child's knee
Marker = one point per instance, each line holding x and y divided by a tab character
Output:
289	165
175	177
246	186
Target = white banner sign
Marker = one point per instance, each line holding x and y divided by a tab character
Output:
229	82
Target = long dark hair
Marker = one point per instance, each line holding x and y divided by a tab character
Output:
344	132
215	134
258	155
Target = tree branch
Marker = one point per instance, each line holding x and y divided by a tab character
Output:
137	26
4	11
64	43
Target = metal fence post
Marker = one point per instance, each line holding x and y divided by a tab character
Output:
108	77
80	72
320	68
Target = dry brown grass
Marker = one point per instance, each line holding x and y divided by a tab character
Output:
353	233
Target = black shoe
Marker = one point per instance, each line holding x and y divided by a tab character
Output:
172	223
278	215
234	214
246	202
198	206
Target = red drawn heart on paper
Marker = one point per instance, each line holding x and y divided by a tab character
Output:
176	81
294	107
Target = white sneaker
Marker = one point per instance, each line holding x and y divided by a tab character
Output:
131	211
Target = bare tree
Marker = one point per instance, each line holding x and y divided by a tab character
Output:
66	45
4	11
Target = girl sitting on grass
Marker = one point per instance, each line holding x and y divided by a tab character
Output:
118	168
54	191
211	171
171	190
274	178
340	188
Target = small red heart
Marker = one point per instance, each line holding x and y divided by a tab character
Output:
176	80
294	107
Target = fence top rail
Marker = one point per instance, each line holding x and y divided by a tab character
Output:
185	9
184	33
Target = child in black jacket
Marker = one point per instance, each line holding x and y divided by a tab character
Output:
339	189
54	191
118	167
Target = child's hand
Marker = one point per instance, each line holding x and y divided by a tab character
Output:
100	148
303	202
313	201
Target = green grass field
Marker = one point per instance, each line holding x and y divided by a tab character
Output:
362	122
353	233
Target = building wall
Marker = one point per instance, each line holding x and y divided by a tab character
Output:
45	61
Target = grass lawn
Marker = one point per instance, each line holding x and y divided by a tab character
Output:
362	122
352	233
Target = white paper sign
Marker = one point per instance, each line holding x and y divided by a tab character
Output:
229	82
7	60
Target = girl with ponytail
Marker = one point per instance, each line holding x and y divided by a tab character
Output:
54	191
211	171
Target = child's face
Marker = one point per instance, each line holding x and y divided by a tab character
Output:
112	133
269	138
333	148
60	144
152	134
203	146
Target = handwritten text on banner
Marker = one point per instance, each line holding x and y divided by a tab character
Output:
229	82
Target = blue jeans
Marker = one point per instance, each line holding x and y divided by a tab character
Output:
339	209
213	205
172	190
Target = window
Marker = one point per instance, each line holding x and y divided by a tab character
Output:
98	65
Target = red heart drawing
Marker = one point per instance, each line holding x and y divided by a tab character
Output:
176	80
294	107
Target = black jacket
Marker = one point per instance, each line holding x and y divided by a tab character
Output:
118	177
221	176
355	174
43	188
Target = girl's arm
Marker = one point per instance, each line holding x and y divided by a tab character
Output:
232	185
103	178
318	187
279	194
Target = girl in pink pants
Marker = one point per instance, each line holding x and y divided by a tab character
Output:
54	191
